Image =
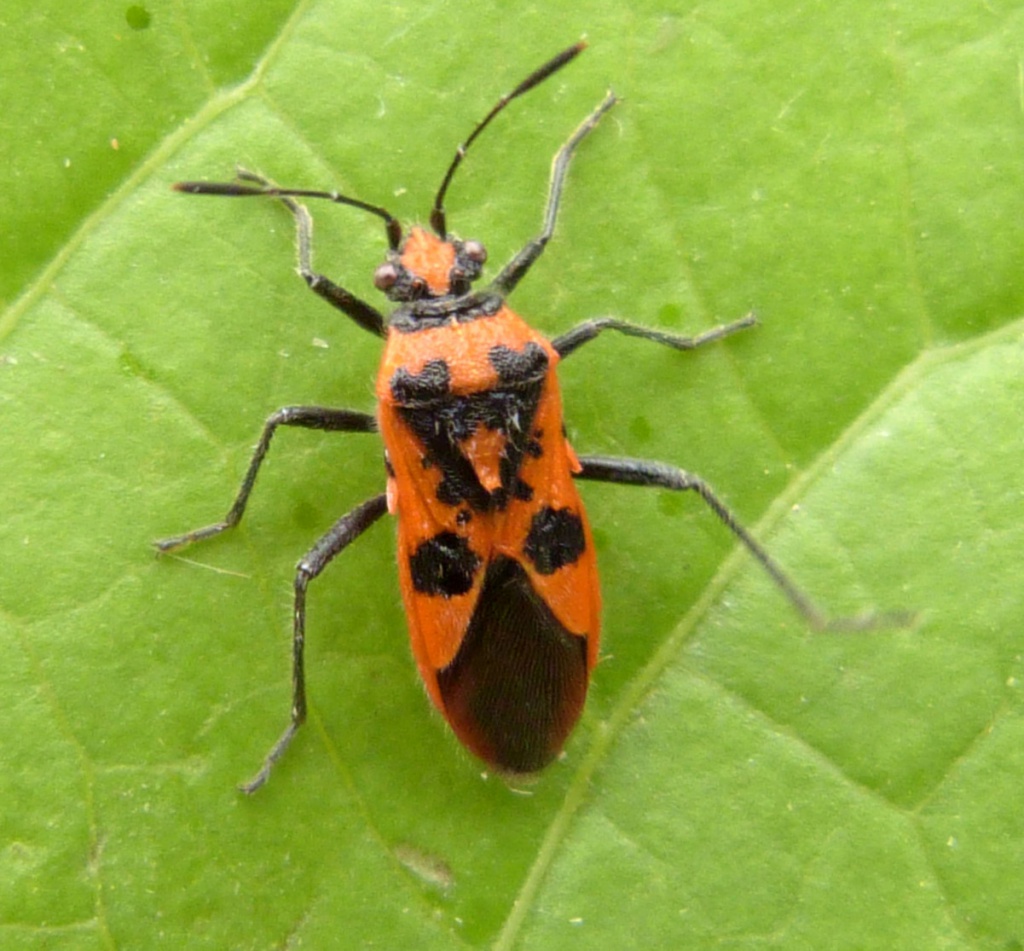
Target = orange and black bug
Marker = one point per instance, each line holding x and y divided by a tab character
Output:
495	556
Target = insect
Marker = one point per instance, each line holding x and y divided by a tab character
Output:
495	555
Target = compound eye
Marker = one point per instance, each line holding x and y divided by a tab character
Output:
385	277
475	251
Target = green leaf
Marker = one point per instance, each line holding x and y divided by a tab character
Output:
853	173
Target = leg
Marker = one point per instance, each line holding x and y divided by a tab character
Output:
589	329
516	269
308	417
367	316
658	475
345	531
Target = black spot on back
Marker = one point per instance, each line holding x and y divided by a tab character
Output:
431	383
444	565
556	539
517	684
519	366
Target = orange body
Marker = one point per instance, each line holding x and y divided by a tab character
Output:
496	559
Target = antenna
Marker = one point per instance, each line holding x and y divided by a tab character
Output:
437	214
237	189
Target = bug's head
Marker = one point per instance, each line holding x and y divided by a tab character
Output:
427	266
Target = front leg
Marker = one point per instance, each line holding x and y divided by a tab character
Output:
513	272
364	314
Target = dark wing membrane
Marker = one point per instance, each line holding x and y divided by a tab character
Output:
516	687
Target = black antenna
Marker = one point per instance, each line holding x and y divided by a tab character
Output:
237	189
437	215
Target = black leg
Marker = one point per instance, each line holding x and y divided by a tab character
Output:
308	417
345	531
367	316
588	330
659	475
516	269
